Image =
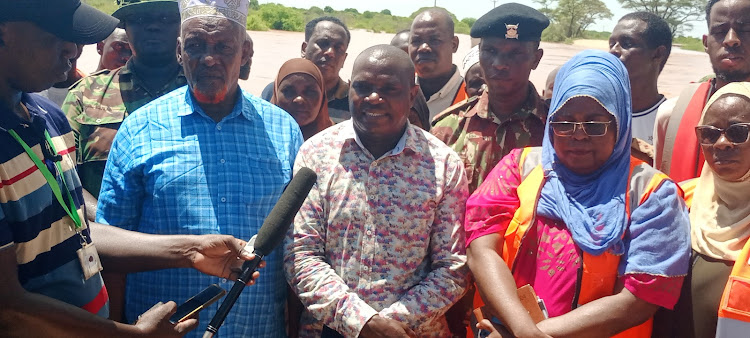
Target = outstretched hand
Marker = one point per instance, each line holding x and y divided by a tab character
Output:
155	322
222	256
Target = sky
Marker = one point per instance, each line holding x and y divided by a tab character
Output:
457	7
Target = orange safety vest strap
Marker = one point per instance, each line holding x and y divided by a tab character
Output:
687	161
734	309
666	147
688	188
460	94
528	192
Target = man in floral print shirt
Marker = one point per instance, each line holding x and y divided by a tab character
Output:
377	248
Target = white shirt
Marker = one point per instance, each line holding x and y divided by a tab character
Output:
643	122
444	97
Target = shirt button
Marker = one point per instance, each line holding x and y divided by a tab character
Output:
98	120
222	161
223	199
218	127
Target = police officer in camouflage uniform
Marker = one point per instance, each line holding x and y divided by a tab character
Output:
97	105
510	114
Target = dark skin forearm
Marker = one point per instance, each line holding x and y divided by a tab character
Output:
603	317
90	203
32	315
497	286
129	251
26	314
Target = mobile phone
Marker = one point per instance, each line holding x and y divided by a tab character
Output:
198	302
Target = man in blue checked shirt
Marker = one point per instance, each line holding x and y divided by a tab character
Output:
207	158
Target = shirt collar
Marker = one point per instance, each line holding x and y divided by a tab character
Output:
9	120
127	71
239	107
482	108
407	140
449	86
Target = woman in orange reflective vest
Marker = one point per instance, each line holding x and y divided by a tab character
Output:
716	296
602	237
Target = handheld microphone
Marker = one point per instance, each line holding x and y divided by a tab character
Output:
269	236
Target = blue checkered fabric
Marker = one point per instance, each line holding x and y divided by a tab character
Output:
173	170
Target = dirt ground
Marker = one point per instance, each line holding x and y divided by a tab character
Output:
273	48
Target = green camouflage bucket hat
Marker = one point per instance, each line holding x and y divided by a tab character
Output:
131	7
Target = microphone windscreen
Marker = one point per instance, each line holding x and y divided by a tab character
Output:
278	221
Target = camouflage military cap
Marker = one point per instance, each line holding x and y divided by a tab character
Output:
130	7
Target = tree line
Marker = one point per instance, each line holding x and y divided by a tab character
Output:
570	19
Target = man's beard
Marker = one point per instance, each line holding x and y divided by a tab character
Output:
732	76
213	98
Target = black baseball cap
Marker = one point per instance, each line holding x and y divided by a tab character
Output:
70	20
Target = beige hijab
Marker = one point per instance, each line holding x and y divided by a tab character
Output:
720	212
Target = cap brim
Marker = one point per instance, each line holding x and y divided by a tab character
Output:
89	25
140	7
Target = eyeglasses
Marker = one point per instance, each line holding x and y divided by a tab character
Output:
591	128
736	133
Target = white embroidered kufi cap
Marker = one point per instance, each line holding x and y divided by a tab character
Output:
471	59
235	10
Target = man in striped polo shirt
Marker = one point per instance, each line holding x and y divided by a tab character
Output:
49	269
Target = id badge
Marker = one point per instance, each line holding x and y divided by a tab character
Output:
89	258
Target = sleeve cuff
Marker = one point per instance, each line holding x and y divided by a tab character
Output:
354	316
657	290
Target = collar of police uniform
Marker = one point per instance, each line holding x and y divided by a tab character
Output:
482	108
128	71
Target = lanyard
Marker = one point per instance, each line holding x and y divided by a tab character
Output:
70	207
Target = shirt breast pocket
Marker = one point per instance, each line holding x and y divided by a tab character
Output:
98	127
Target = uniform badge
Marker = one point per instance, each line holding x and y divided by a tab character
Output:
511	31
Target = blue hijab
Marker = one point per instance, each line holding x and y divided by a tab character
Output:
592	206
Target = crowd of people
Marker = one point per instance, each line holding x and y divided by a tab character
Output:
443	192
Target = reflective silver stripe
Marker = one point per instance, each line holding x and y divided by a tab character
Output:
639	180
533	159
732	328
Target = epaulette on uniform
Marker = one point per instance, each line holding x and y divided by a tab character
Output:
99	72
463	105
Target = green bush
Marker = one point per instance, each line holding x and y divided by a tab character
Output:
689	43
553	33
275	16
106	6
279	17
594	35
462	28
255	23
469	21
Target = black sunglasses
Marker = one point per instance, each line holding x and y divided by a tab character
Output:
736	133
591	128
